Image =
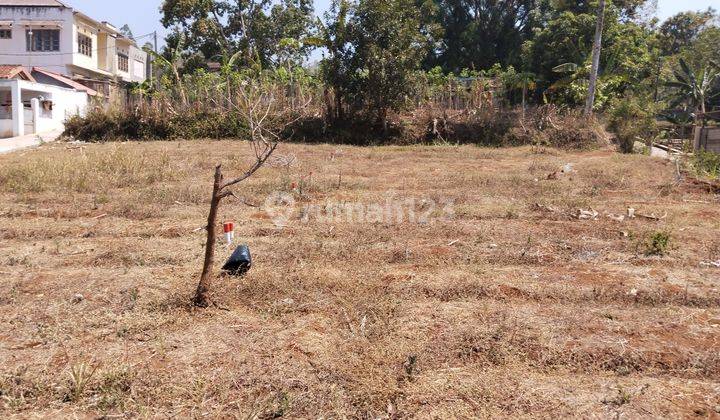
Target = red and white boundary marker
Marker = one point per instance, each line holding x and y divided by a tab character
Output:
229	229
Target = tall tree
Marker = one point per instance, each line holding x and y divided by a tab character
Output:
681	30
627	59
480	33
263	30
597	49
336	37
390	40
126	32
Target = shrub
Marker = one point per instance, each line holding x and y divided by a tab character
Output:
101	125
548	126
632	119
658	244
706	164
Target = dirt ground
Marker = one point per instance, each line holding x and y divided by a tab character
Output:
490	298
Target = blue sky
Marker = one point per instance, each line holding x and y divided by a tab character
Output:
143	16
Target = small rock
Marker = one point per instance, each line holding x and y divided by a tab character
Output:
587	255
77	298
288	301
710	264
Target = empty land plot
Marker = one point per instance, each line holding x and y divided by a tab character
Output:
488	297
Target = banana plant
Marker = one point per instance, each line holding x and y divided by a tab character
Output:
694	88
172	65
524	81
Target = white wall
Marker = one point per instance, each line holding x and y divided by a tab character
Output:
134	55
66	102
81	60
138	64
6	129
15	49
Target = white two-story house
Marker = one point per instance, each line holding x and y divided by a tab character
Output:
48	34
53	60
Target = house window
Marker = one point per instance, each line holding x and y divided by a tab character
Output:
123	63
85	45
5	34
43	40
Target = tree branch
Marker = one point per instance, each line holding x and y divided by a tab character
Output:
258	164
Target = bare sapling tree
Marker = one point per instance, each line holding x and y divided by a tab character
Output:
597	48
266	119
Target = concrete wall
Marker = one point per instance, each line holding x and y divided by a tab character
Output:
138	64
709	139
84	27
14	51
6	129
66	102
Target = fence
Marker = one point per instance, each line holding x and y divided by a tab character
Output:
707	134
707	139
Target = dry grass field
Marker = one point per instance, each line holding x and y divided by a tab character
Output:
512	307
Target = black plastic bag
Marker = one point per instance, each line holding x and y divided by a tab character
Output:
240	262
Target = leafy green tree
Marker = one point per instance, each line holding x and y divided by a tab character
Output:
627	60
390	41
170	63
336	36
480	33
266	32
200	21
279	33
681	30
627	10
126	32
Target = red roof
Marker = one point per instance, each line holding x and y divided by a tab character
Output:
66	80
13	71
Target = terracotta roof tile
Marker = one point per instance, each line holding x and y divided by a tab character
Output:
10	71
66	80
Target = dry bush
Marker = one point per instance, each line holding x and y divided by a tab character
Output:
546	126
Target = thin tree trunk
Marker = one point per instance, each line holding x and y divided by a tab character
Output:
202	298
382	116
597	48
524	95
339	105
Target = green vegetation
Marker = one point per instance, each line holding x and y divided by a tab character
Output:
658	244
706	164
403	71
632	119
